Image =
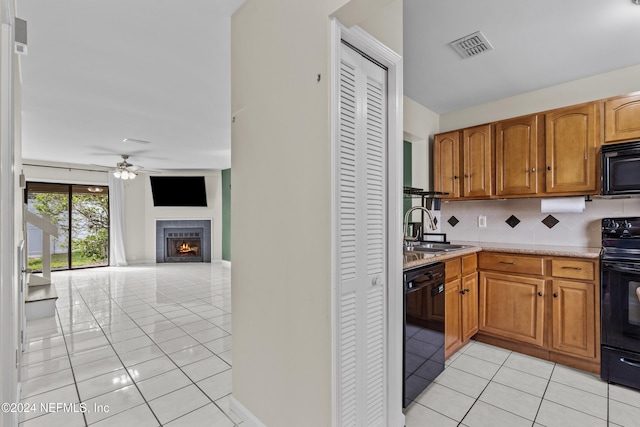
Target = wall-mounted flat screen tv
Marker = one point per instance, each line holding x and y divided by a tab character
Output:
178	191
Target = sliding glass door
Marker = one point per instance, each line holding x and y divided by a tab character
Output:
81	213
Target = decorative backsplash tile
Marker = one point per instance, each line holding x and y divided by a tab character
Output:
453	221
512	221
550	221
572	229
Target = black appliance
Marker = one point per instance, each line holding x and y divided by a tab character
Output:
620	301
621	169
423	328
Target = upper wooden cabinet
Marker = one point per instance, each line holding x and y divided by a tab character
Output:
446	164
571	147
518	156
622	118
477	160
463	163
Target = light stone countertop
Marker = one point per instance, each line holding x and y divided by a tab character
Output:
414	259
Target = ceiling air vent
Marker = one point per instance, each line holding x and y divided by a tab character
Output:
471	45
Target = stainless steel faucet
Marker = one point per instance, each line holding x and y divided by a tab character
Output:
432	224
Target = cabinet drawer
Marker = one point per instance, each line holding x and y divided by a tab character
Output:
511	263
469	264
573	269
452	269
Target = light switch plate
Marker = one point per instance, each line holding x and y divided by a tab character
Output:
482	221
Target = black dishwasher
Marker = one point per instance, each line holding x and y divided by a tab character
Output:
423	328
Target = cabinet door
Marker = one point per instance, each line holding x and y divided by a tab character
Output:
469	306
477	161
446	164
574	326
571	149
517	169
512	307
622	118
452	319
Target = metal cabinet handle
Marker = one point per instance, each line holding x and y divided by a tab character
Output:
455	177
548	168
466	176
555	295
533	169
464	291
507	262
572	268
539	294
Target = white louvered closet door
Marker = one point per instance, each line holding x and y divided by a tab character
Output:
361	309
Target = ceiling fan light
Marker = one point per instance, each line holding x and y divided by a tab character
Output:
124	175
117	174
132	175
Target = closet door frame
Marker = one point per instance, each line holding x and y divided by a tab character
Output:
373	48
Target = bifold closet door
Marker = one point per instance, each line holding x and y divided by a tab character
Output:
361	307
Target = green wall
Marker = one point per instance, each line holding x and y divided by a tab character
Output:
226	214
407	173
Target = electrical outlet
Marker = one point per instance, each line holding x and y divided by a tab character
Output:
482	221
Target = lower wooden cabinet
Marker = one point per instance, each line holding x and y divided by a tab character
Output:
452	338
553	315
573	321
512	307
461	302
469	306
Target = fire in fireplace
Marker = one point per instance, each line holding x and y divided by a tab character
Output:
184	246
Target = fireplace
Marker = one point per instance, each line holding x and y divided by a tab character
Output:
183	241
183	245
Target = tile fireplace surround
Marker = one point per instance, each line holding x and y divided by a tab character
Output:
201	226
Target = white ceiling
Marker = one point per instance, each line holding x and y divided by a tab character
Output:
537	44
98	72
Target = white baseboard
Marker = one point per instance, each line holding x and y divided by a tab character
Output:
244	414
142	261
225	262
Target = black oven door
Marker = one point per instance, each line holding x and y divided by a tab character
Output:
621	170
621	305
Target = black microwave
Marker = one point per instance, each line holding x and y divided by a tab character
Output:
621	169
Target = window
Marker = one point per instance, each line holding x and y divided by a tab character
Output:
81	213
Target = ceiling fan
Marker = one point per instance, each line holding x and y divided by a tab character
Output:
125	170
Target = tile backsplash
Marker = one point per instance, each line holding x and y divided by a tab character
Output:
520	221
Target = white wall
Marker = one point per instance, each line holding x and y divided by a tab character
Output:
10	213
140	214
281	206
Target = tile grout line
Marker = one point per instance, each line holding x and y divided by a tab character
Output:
179	367
120	359
144	332
485	387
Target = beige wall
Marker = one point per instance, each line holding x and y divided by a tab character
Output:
281	205
574	229
420	124
591	88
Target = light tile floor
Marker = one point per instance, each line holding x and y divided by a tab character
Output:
152	343
486	386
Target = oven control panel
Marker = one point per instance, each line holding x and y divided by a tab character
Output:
621	227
